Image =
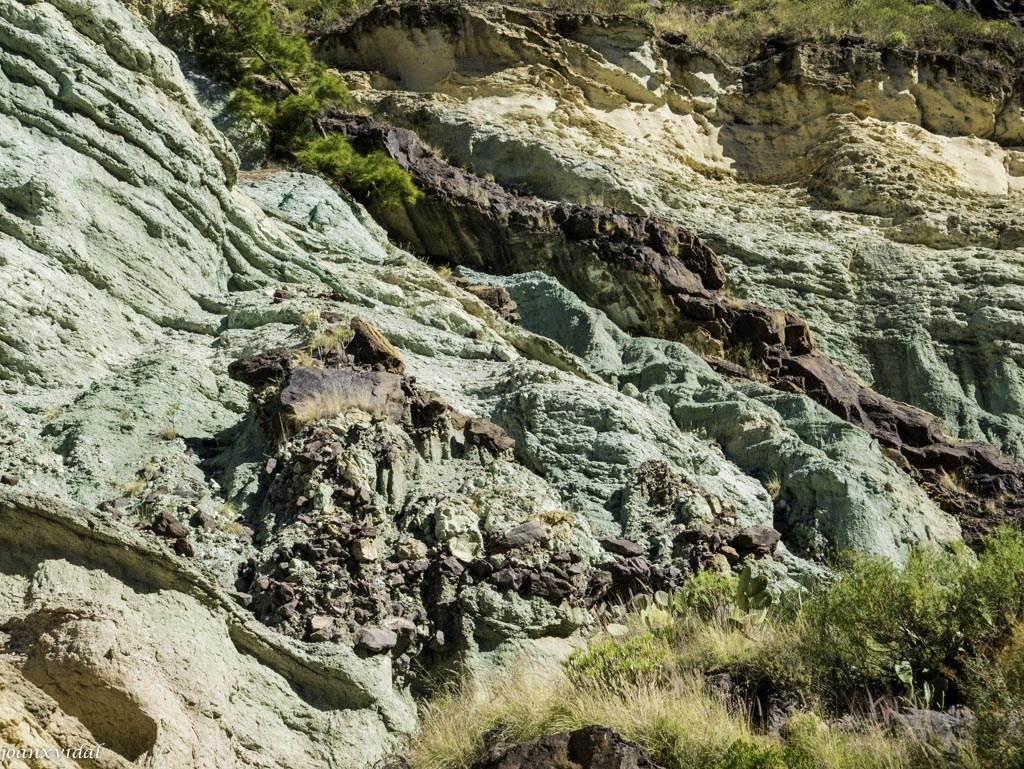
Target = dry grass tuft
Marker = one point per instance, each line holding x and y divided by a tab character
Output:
331	403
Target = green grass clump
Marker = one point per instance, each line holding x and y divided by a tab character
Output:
374	176
637	661
280	85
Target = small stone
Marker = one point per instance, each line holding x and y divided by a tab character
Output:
375	640
365	550
183	547
452	566
242	599
399	624
464	548
411	549
165	524
549	585
624	547
522	535
204	520
320	622
753	537
9	480
730	553
509	579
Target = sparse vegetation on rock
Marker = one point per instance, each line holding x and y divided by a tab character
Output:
279	84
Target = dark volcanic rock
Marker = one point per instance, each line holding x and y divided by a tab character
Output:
373	391
621	547
753	537
670	280
376	640
522	535
369	347
487	435
268	367
592	747
166	525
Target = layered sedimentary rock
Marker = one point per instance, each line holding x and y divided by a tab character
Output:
653	278
875	193
259	466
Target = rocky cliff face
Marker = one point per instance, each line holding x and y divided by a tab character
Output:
262	469
874	193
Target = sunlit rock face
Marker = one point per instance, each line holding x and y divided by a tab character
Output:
875	193
260	467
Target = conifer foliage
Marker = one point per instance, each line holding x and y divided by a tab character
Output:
279	83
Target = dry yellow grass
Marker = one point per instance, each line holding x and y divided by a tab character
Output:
677	719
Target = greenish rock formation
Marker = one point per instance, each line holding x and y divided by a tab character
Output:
877	194
179	571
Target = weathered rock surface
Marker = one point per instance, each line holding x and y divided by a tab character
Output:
194	584
140	652
892	221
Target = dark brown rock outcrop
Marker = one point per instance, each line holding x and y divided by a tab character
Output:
326	390
592	747
371	348
655	278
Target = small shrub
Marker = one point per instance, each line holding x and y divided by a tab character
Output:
896	39
706	593
168	433
637	661
876	618
279	84
375	175
746	755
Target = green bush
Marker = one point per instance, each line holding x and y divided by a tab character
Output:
375	175
613	665
912	631
873	623
706	593
745	755
279	84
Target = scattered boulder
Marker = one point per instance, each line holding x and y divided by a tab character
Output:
755	538
376	640
592	747
369	347
165	524
262	369
203	520
623	547
487	435
522	535
946	729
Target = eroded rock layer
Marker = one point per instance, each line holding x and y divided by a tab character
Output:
653	278
874	193
261	470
